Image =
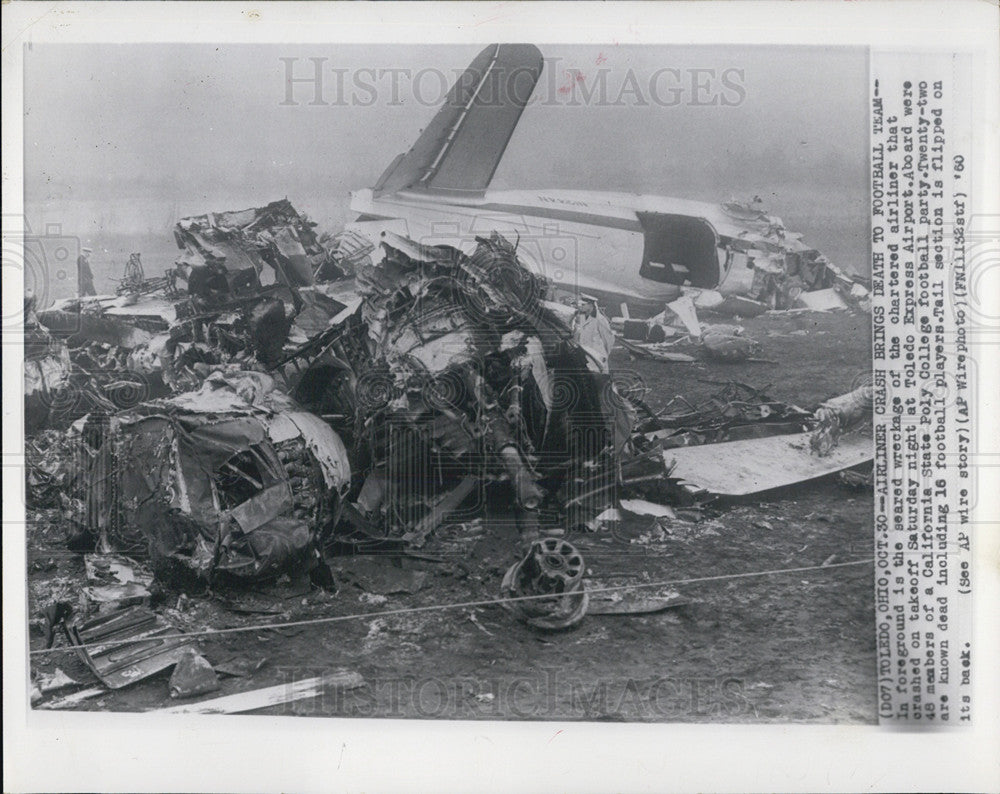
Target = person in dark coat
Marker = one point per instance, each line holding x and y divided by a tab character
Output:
84	275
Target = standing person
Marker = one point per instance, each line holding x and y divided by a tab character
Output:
84	275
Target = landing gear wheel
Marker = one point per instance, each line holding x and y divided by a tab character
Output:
552	567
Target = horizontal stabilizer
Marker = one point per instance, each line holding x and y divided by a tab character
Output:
461	148
754	465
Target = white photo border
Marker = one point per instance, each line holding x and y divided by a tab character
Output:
111	752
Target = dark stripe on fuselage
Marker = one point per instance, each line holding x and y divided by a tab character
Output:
587	218
569	215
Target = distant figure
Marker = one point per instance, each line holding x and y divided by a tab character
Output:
84	275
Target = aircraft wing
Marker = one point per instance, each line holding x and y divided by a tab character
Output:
461	148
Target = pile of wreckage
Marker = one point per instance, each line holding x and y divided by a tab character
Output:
229	299
301	398
677	334
680	334
772	269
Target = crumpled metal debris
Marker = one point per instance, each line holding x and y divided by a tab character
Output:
727	343
737	411
773	267
457	366
231	299
55	681
667	335
47	370
822	300
53	466
856	480
134	281
232	480
192	676
113	579
272	237
683	314
128	645
839	414
288	692
635	602
349	251
411	391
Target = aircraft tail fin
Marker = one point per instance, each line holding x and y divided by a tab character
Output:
461	148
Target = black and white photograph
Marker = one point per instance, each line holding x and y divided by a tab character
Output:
514	379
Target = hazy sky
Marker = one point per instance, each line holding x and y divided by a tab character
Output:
124	139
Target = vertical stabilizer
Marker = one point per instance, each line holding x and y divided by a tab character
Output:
461	148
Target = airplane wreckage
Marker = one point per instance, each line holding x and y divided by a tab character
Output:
277	396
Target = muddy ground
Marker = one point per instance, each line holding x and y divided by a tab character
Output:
781	648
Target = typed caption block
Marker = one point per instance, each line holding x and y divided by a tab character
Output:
921	184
